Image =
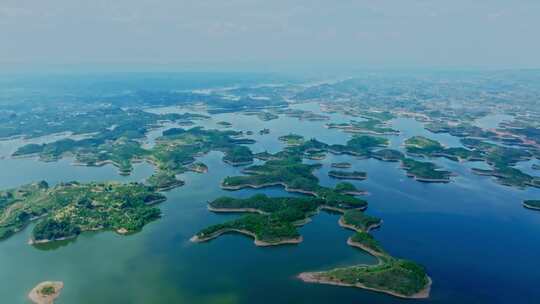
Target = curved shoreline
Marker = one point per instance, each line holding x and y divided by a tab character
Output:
530	207
197	239
36	297
312	277
239	187
351	177
373	252
235	210
342	223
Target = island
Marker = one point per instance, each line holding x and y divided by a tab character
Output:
46	292
397	277
425	171
369	126
224	124
342	165
347	175
532	204
68	209
348	188
272	220
423	146
292	139
174	153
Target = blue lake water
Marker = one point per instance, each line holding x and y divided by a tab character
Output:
477	242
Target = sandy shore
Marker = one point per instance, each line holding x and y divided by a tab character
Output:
316	277
37	297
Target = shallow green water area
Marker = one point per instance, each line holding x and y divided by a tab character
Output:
462	232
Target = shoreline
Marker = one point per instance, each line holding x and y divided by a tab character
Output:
239	187
342	223
235	210
37	297
312	277
374	253
197	239
530	207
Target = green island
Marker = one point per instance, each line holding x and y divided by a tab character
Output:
198	167
397	277
347	175
425	171
274	220
66	210
263	115
348	188
388	155
358	221
224	124
502	159
174	152
532	204
45	292
369	126
342	165
302	114
423	146
292	139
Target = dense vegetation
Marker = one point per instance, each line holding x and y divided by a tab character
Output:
359	220
425	171
401	277
369	126
419	145
532	204
66	210
173	153
347	175
277	220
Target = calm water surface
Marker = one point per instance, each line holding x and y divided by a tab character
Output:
475	239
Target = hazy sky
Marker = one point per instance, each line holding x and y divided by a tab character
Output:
400	33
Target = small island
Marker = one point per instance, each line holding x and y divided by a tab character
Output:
532	204
368	126
342	165
45	292
348	188
423	146
224	124
425	172
292	139
354	175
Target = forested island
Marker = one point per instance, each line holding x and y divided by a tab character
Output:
347	175
532	204
66	210
173	154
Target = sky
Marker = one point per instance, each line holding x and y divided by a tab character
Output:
261	33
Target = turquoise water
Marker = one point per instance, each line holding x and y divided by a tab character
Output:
475	239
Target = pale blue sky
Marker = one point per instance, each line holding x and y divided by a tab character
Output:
378	33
